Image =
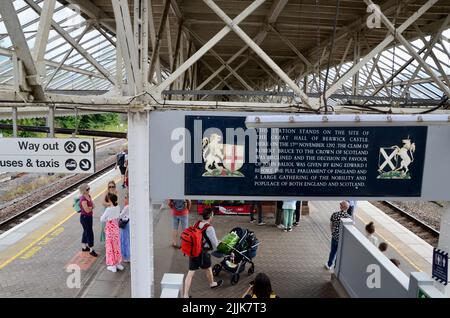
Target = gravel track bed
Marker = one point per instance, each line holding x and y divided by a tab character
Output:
428	212
18	205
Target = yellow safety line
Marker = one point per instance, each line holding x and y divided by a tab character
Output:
35	241
395	248
44	235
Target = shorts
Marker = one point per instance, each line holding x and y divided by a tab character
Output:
122	170
202	261
180	219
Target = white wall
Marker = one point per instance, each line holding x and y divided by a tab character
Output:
356	255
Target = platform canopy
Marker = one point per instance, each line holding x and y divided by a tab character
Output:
297	55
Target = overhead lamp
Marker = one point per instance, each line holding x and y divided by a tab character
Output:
279	121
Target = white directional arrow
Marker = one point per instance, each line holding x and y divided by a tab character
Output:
85	164
85	147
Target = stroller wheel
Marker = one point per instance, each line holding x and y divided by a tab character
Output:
251	270
234	279
217	269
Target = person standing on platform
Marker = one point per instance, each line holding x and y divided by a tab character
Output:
126	181
122	163
124	224
180	216
288	214
112	243
298	212
86	219
279	215
335	223
256	205
351	207
203	261
106	203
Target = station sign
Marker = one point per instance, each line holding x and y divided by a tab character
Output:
440	266
47	155
313	161
212	155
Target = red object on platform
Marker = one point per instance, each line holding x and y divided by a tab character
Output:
226	209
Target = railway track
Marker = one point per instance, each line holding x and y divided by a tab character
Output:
24	215
415	225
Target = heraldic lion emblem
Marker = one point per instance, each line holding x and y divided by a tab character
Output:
221	160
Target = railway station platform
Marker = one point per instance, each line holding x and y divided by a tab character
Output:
35	257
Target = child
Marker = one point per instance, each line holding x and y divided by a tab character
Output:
125	232
288	211
112	243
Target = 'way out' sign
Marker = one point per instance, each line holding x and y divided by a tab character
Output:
37	155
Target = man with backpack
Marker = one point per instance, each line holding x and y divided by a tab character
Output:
180	216
122	163
196	243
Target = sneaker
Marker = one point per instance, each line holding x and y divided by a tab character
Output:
120	267
86	249
261	223
112	268
296	223
219	283
252	221
289	230
285	230
327	267
92	253
280	226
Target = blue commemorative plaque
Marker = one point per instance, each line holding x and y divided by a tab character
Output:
226	158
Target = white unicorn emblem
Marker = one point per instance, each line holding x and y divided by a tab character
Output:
406	154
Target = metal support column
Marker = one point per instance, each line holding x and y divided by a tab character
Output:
141	213
356	55
14	118
51	122
141	38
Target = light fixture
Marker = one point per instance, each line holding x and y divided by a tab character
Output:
279	121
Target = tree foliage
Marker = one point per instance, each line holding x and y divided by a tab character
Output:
88	122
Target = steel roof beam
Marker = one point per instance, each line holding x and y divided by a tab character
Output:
213	41
272	16
94	13
411	50
72	42
379	48
255	47
12	24
42	35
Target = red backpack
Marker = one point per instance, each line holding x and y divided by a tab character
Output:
192	240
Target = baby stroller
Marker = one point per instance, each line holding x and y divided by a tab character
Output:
236	257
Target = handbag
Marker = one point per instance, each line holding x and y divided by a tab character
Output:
123	223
